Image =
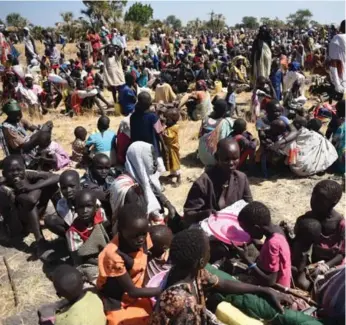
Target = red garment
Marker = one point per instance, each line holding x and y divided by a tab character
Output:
89	80
123	142
94	39
76	103
83	231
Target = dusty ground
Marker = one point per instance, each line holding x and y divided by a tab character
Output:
287	197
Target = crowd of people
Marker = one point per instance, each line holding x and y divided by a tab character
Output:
129	257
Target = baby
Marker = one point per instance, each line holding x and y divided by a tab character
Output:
78	145
50	155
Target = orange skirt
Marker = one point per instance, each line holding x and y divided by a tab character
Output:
137	313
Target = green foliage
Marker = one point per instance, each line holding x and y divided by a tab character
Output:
250	22
300	19
216	23
137	33
16	20
105	12
173	22
139	13
274	23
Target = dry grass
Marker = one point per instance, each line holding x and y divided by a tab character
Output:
287	198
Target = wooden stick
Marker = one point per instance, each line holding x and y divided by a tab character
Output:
13	286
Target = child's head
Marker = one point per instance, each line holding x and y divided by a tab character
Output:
299	122
130	80
190	250
227	155
80	133
277	127
103	123
273	109
239	126
133	225
219	108
325	196
13	168
82	45
314	125
45	139
161	236
254	218
308	230
100	166
86	205
69	184
68	282
172	116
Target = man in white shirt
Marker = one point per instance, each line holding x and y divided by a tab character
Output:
337	53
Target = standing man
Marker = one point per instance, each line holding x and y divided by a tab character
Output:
30	48
337	53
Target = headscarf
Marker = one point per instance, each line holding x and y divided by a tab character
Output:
294	66
201	85
139	164
11	106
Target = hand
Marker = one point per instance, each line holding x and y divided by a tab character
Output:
242	253
278	299
46	314
23	186
171	210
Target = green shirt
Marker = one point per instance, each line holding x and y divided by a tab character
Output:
87	311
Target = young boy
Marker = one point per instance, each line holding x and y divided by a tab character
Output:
274	262
77	307
83	54
103	141
78	145
86	236
330	247
66	207
171	140
161	237
98	179
24	197
247	143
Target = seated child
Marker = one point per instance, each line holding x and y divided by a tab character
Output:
86	236
330	246
69	186
247	143
274	262
103	141
307	233
98	179
24	197
50	155
300	122
171	140
161	237
78	145
78	306
122	268
315	125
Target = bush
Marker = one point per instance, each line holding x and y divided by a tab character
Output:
137	33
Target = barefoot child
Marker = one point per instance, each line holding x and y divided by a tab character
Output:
274	262
171	140
24	197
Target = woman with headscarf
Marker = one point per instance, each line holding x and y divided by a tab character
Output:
222	128
199	103
261	55
140	182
